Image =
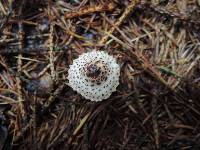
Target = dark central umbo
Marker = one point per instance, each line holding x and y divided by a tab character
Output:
93	70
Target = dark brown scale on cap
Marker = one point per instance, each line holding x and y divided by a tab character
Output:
96	72
93	71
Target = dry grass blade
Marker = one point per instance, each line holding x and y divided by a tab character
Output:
2	9
82	122
8	100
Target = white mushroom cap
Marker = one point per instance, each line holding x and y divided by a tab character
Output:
95	75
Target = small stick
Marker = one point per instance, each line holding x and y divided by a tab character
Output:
51	46
155	124
34	124
25	50
19	62
51	53
89	9
20	110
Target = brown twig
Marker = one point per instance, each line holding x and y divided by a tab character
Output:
51	53
89	10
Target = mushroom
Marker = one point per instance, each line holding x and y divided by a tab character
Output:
95	75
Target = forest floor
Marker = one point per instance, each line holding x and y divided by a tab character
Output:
157	103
